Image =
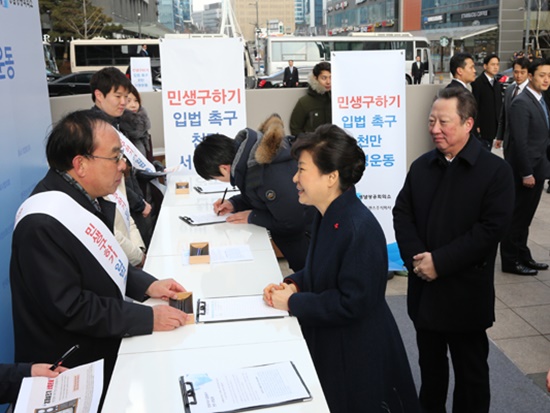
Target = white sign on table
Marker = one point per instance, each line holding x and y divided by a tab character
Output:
370	104
202	93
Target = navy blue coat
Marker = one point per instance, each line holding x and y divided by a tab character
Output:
341	306
266	186
459	212
489	104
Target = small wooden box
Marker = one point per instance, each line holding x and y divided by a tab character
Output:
184	302
182	188
199	253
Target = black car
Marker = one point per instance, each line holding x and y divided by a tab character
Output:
50	76
506	78
73	84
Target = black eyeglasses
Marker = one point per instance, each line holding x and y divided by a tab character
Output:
115	159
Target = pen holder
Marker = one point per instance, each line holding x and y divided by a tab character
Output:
199	253
184	302
182	188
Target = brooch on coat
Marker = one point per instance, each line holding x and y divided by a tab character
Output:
270	195
336	225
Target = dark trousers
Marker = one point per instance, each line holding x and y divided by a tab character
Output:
417	80
469	352
294	248
513	248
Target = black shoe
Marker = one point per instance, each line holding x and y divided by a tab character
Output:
536	265
519	269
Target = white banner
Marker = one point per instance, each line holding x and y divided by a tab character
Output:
369	102
140	73
202	93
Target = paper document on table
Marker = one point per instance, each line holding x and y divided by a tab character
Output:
221	254
215	188
203	218
76	390
246	307
231	253
242	389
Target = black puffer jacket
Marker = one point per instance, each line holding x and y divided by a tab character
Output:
262	170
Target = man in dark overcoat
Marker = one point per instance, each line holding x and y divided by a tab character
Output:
488	93
291	77
463	70
450	215
417	70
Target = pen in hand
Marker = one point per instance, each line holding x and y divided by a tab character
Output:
223	199
64	357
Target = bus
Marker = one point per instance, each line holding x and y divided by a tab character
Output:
306	52
97	53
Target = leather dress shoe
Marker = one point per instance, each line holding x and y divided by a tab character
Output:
536	265
519	269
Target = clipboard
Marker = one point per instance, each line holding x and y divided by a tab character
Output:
198	387
235	308
215	189
198	220
189	398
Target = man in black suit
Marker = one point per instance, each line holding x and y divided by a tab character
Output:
290	78
488	93
417	70
521	80
463	70
143	52
528	143
453	210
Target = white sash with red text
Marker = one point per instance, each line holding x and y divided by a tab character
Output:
138	160
86	227
122	205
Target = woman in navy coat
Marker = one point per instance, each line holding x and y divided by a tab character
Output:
339	296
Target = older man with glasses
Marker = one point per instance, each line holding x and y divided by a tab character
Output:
69	276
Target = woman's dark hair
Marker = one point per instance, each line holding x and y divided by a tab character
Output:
319	67
71	136
332	149
214	151
135	92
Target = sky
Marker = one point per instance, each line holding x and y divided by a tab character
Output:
198	5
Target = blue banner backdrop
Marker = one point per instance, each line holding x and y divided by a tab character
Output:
24	121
